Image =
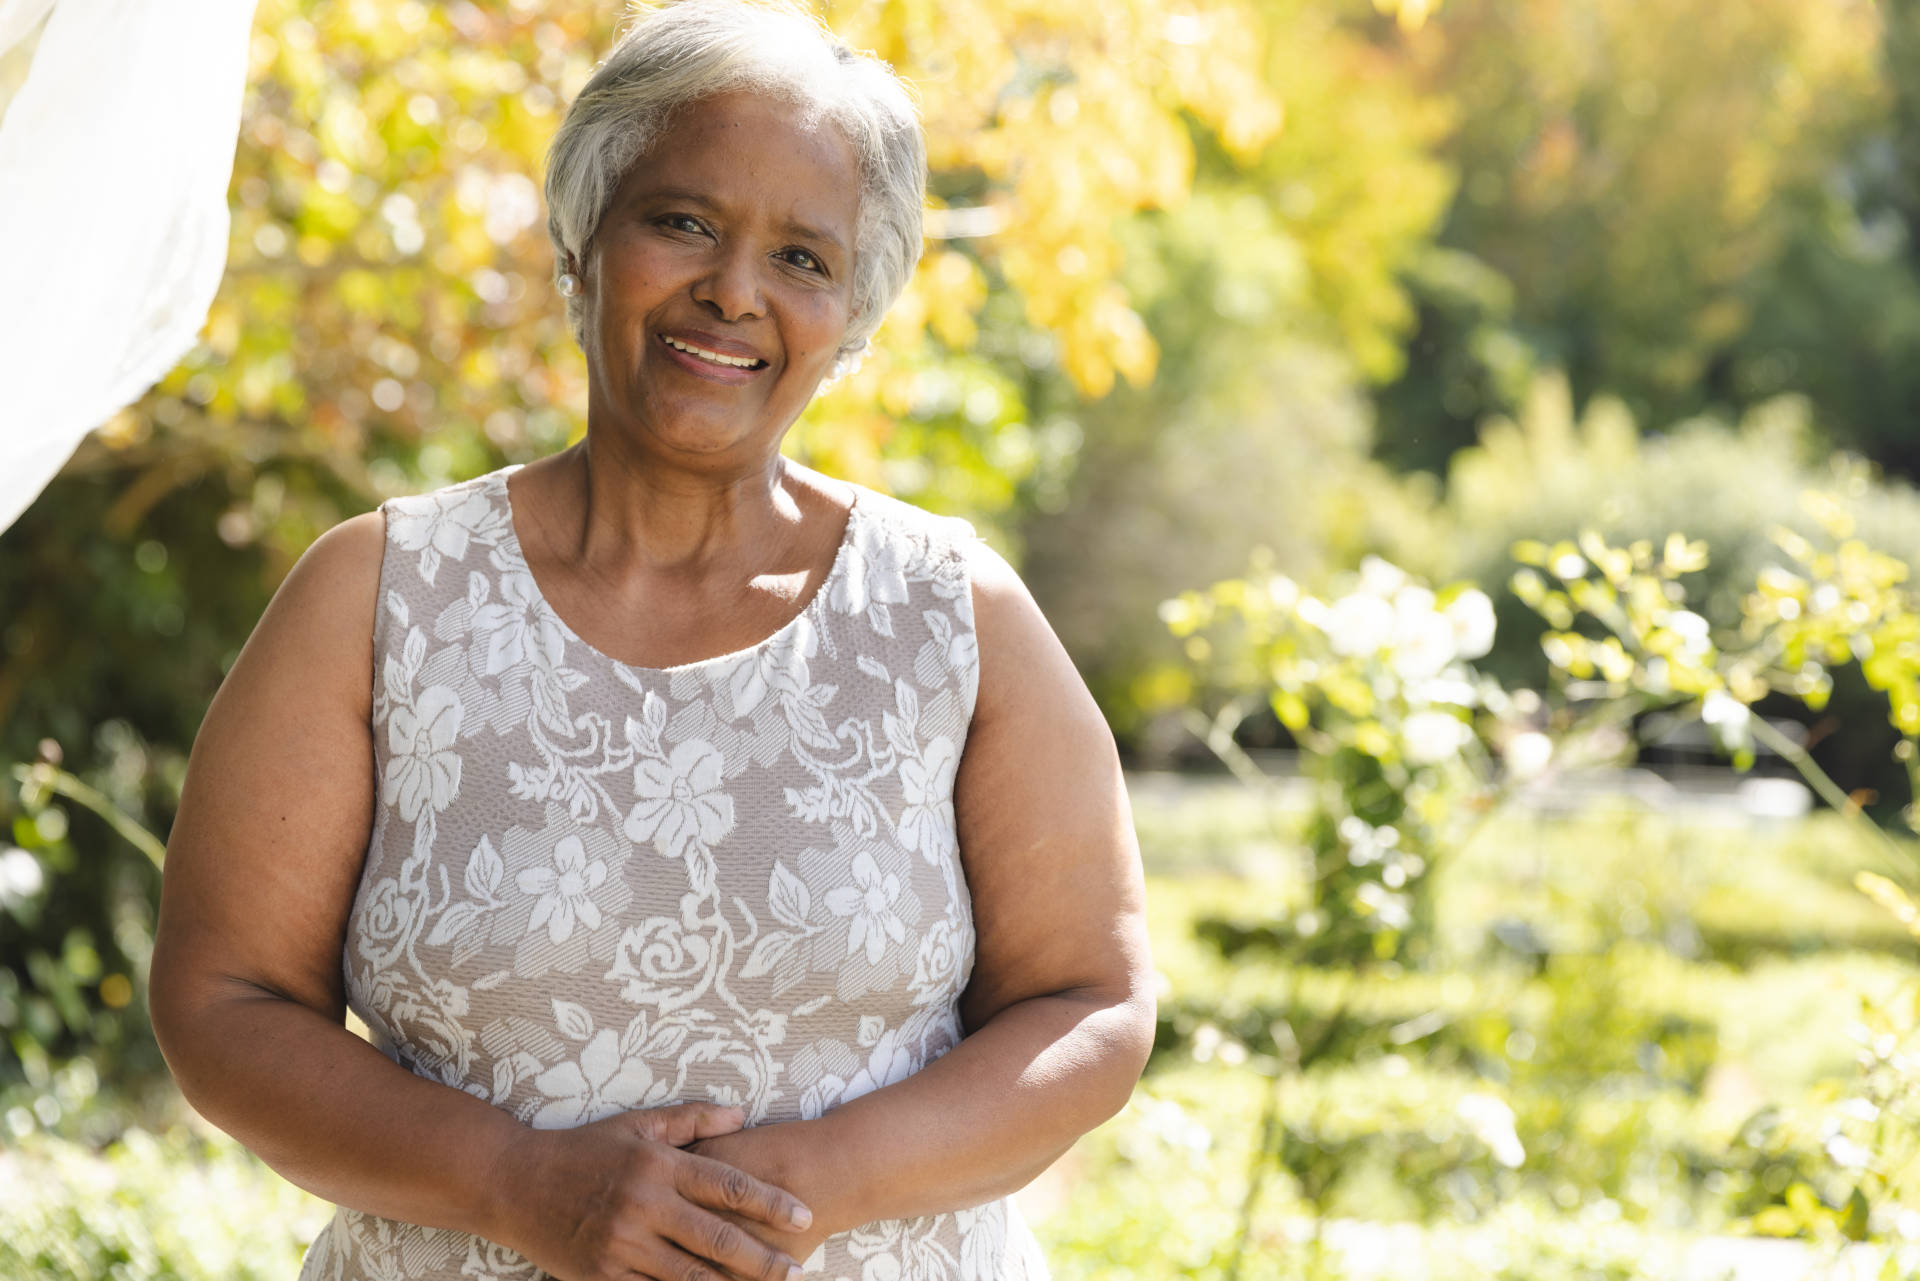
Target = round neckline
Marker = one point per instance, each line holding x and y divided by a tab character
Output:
807	613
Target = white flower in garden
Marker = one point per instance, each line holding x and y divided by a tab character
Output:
1847	1154
564	890
1358	624
422	770
1729	718
1444	689
1528	753
1389	908
1432	737
1380	577
680	799
20	875
1692	631
599	1085
1471	614
869	901
1422	640
1491	1121
1412	601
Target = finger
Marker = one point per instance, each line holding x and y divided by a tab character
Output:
685	1123
707	1182
670	1263
728	1249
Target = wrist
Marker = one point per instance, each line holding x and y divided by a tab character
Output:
809	1164
499	1185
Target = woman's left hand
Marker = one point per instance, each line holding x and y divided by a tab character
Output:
770	1152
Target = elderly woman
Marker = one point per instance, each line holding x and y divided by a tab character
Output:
732	870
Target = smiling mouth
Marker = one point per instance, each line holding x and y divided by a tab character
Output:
713	357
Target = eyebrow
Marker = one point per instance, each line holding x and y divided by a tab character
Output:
806	231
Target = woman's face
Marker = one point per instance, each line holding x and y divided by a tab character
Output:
719	283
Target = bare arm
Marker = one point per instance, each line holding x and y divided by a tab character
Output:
1059	1009
248	996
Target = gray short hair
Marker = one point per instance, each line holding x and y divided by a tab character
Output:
694	49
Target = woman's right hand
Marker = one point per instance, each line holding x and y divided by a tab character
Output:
619	1198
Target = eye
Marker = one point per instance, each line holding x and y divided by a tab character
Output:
681	222
805	259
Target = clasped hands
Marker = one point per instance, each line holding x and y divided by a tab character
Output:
663	1194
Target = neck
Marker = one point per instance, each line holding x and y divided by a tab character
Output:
617	510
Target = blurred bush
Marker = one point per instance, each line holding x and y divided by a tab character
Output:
1545	475
168	1206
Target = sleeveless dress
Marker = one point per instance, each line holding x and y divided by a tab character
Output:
592	887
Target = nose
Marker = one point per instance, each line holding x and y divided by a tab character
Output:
730	287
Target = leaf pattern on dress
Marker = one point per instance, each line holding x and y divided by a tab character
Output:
593	887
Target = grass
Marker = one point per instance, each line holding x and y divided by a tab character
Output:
1665	1064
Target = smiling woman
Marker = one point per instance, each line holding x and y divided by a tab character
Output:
728	862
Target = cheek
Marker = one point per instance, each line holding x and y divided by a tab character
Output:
819	325
633	277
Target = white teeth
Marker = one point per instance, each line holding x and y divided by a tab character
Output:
738	362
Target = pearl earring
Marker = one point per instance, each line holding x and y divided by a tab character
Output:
569	284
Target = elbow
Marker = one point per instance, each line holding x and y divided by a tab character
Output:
1126	1042
200	1018
173	1013
1140	1022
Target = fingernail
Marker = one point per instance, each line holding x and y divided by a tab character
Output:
794	1273
801	1217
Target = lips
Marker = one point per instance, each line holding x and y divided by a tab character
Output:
713	351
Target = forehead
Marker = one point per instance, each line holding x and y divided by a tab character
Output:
752	152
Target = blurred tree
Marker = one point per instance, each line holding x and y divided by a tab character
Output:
1276	296
1691	205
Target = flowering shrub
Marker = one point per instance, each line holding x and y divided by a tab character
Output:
1376	685
1843	604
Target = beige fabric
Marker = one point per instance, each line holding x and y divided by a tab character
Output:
593	887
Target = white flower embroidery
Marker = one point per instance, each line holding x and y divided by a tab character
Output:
564	890
779	667
873	580
938	969
926	824
680	801
422	769
519	628
869	901
445	527
982	1234
889	1061
385	914
599	1085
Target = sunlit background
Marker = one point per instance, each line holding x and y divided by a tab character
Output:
1469	450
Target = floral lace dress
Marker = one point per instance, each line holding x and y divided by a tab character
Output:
593	887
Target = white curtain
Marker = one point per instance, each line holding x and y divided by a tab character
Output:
115	156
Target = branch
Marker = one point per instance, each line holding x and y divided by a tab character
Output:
49	778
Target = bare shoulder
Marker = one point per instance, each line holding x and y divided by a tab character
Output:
1024	669
335	584
316	636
